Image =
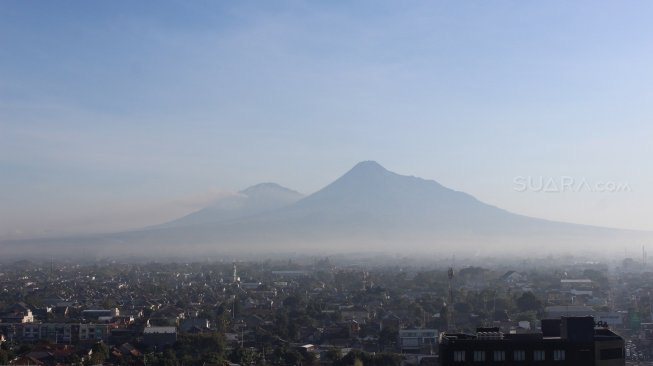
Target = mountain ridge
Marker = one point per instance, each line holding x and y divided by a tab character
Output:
367	208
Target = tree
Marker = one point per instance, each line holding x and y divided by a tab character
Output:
74	360
243	356
292	357
101	349
212	357
386	359
528	302
100	353
360	358
333	354
293	302
530	316
4	357
388	336
196	345
308	358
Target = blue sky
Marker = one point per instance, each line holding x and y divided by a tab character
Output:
121	114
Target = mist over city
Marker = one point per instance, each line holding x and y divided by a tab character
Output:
325	183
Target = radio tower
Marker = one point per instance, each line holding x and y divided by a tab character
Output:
451	322
644	256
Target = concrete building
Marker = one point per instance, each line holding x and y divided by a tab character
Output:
581	284
159	336
18	313
100	314
56	332
558	311
418	340
573	341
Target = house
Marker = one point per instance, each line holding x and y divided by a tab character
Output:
101	315
159	336
391	320
355	313
200	324
582	283
26	360
17	313
168	316
127	349
557	311
512	277
232	339
123	335
254	321
44	356
249	285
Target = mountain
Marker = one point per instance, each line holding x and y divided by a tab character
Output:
370	190
372	208
251	201
367	209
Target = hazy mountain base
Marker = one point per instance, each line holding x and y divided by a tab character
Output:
238	240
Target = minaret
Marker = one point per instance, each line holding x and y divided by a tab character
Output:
451	321
235	279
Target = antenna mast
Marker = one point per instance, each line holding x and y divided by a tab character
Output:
644	256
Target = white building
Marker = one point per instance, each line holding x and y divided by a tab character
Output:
418	340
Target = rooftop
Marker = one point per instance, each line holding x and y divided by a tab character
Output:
153	330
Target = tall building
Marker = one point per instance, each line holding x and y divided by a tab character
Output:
235	279
573	341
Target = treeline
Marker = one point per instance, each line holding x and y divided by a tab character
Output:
361	358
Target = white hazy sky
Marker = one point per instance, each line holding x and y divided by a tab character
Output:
119	114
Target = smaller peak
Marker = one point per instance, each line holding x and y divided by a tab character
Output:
265	187
261	186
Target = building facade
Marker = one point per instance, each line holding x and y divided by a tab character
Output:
418	340
56	332
159	336
573	341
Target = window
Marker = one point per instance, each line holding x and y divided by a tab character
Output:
459	356
559	355
520	355
538	355
499	356
479	356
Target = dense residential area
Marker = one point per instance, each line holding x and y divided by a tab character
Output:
303	311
